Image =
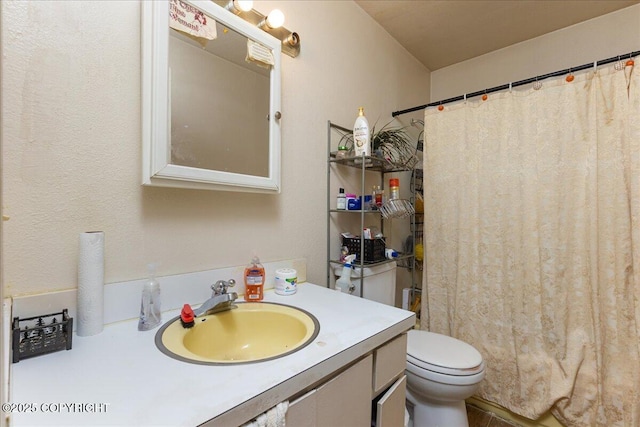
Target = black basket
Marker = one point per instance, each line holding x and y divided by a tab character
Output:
41	334
373	248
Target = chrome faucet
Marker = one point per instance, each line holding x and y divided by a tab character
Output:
220	300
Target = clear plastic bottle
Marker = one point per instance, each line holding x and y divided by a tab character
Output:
254	281
377	195
150	307
341	203
343	152
394	188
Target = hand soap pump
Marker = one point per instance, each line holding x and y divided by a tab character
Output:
344	282
150	309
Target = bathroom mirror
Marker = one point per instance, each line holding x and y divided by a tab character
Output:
210	117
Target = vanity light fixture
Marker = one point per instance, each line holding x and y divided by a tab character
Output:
238	6
271	23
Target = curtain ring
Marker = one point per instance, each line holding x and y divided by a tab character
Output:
570	77
537	85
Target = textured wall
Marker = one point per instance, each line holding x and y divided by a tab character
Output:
599	38
71	153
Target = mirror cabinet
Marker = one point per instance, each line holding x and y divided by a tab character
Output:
210	116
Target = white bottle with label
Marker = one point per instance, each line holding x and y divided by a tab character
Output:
361	135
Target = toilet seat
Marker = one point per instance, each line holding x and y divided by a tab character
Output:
442	354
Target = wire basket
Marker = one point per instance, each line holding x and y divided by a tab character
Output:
373	248
397	208
41	334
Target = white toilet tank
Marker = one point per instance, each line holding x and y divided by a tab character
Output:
379	281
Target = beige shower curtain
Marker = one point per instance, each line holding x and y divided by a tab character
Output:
532	234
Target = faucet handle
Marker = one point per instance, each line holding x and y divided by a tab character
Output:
220	287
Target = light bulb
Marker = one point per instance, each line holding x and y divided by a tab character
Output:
243	5
275	19
239	6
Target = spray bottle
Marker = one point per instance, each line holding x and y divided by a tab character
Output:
344	282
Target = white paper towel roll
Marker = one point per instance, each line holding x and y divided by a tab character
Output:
90	311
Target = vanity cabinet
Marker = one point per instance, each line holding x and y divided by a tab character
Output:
372	388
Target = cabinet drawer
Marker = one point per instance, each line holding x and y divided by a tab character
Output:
390	408
389	363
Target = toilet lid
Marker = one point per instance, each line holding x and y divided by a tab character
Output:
433	351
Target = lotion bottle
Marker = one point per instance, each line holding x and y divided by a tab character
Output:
361	135
150	308
344	284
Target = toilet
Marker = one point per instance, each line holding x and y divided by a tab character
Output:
441	373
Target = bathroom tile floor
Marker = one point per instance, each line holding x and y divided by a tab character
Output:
479	418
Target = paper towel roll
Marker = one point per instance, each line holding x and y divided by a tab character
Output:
90	311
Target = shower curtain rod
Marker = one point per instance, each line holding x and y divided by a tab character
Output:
518	83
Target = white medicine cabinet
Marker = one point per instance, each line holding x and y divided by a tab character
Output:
210	118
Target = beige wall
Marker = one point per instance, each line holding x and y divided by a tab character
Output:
71	143
599	38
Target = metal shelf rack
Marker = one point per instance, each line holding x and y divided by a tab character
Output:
335	134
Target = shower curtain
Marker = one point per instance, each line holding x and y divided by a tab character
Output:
532	234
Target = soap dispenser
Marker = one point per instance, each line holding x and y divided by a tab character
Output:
150	309
343	284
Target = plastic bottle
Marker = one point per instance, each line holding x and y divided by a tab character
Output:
150	307
377	195
344	282
390	253
341	203
361	135
394	188
254	281
343	152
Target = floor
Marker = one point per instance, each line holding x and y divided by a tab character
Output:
479	418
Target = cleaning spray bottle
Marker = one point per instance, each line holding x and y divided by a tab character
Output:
150	309
344	282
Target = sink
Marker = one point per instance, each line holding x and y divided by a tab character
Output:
253	332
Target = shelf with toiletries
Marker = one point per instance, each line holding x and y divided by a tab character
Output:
379	204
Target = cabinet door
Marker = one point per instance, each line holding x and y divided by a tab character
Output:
302	411
390	407
345	401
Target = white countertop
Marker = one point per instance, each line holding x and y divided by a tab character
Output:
120	378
